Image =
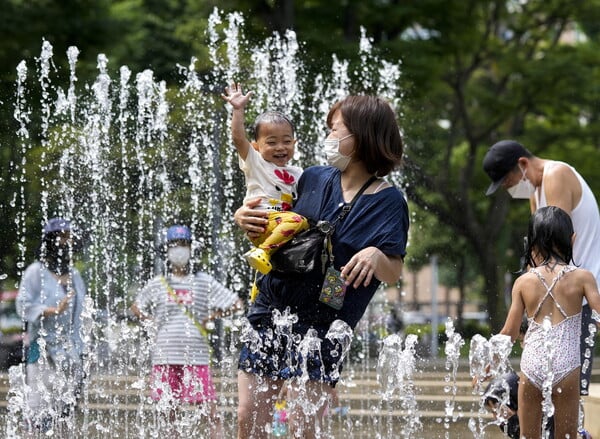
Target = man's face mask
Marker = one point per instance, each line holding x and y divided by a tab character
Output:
524	189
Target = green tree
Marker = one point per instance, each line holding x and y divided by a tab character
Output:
489	70
25	24
473	72
457	265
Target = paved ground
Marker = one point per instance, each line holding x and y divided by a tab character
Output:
117	406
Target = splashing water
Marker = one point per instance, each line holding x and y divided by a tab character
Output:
487	358
589	346
479	354
310	346
452	351
17	399
123	157
395	370
340	335
547	405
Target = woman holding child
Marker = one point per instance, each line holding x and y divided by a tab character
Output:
369	245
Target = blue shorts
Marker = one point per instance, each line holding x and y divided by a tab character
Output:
280	357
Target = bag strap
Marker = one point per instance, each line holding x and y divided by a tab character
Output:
347	206
185	311
345	209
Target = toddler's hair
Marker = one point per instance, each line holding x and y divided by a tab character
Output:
270	117
549	236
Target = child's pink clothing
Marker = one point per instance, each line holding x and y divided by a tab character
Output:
190	384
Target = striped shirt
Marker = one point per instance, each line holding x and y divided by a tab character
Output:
178	340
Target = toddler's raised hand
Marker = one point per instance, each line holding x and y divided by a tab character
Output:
235	96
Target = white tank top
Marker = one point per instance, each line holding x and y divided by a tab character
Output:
586	223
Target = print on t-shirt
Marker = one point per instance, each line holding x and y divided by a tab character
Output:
184	297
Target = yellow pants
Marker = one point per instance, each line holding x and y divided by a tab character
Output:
281	228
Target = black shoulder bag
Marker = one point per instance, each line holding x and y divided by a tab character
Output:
311	249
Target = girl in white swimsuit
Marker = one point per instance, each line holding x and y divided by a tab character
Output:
554	290
564	358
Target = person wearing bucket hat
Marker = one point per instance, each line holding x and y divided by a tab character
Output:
50	299
548	182
181	304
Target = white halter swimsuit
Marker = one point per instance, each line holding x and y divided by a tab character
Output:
564	337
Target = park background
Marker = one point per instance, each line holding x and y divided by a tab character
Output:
461	74
470	73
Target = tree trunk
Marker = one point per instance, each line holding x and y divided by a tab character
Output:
284	15
493	290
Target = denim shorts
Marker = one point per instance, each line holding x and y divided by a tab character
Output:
285	356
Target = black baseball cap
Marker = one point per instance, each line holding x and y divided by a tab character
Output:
500	159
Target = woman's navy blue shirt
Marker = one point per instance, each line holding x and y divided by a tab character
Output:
379	220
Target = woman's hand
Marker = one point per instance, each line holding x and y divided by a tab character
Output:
253	222
360	269
371	262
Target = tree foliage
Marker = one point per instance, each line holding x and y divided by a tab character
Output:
473	72
496	70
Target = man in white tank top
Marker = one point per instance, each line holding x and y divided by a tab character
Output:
551	183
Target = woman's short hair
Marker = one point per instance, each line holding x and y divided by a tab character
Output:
373	122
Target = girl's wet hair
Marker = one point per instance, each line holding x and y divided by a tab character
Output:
270	117
549	236
373	122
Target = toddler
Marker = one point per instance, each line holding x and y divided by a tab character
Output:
268	175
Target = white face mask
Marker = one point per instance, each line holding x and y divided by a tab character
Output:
524	189
179	256
335	158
